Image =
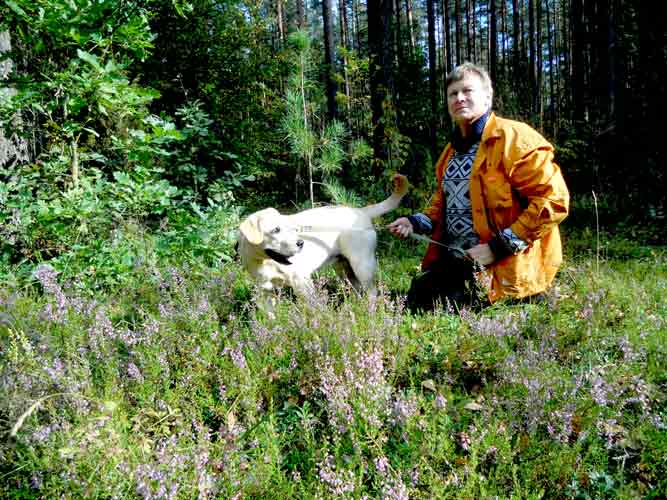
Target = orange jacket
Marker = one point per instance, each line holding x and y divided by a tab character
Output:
514	183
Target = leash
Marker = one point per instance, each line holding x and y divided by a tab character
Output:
458	252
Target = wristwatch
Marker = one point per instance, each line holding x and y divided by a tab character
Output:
506	243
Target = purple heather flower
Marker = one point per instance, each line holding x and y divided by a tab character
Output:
394	489
464	440
381	464
338	482
600	390
404	409
134	373
47	276
36	481
43	433
440	402
237	356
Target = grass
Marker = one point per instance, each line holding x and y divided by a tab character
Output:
173	386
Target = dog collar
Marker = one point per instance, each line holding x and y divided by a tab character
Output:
278	257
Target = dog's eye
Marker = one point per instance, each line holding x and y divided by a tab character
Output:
275	230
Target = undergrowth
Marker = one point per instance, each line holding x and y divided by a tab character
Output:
169	384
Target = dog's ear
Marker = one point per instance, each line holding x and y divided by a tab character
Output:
250	229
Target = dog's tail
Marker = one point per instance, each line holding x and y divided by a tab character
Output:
400	190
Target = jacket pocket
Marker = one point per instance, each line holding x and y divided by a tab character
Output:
498	200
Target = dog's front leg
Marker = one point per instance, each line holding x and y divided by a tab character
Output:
266	299
302	286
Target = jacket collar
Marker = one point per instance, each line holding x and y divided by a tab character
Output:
491	130
463	144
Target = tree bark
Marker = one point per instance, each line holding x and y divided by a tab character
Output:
459	30
564	82
475	56
329	58
344	41
468	37
652	67
550	52
516	46
399	32
532	56
448	37
578	70
280	21
300	15
539	109
432	70
503	51
493	41
357	28
411	27
12	149
381	74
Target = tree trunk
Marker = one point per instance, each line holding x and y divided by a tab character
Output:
578	49
564	82
516	47
300	15
432	71
399	32
503	51
357	28
468	37
539	109
550	52
381	74
532	56
475	56
448	37
411	27
344	41
12	149
329	58
652	67
459	30
280	21
619	65
522	30
493	40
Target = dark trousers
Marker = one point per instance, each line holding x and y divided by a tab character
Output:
450	283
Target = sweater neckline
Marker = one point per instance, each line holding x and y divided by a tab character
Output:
463	144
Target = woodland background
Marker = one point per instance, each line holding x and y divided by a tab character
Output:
135	135
195	95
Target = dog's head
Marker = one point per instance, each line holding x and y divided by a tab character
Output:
273	234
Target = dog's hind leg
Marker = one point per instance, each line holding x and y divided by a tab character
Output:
359	249
364	271
345	272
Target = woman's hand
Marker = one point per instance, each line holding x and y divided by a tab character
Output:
401	227
481	254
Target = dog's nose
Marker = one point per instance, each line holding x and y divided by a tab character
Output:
299	243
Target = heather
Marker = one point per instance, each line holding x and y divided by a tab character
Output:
134	135
166	382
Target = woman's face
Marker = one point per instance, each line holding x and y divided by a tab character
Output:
467	99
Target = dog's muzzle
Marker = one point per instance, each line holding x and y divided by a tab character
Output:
280	258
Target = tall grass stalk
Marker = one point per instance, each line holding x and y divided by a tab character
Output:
597	234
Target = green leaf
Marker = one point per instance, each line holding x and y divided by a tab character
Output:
14	6
89	58
90	130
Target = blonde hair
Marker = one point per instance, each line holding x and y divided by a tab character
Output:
459	73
